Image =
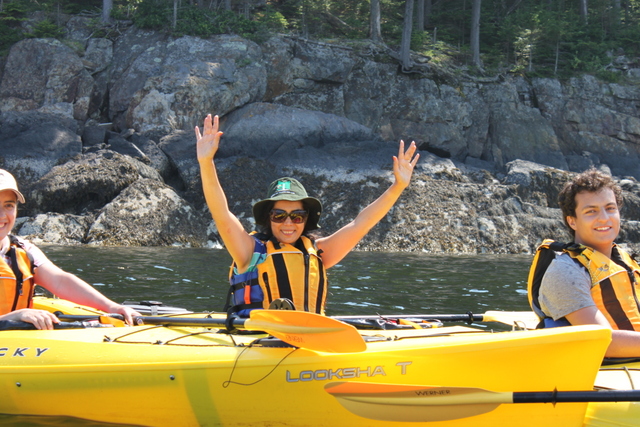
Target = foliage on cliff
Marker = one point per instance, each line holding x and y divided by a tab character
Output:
542	38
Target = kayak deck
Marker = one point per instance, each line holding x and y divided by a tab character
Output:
156	376
196	376
624	376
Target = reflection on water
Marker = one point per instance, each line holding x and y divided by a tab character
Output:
364	283
417	283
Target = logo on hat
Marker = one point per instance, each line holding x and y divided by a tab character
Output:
283	187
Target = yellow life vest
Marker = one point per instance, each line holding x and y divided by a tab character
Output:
615	281
16	281
288	271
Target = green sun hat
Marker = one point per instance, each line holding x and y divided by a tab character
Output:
288	189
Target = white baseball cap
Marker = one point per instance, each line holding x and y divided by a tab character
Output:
8	182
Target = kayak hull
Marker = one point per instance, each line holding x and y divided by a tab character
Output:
158	376
623	376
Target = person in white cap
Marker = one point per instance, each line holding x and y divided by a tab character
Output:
23	266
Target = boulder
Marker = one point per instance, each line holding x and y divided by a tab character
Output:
31	143
148	213
539	184
44	74
166	86
593	117
55	228
158	160
268	131
307	74
86	183
99	55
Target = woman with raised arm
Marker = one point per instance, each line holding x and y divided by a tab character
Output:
285	262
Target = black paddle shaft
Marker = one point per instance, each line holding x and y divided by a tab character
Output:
16	325
163	320
467	317
576	396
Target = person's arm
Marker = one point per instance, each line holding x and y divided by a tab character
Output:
70	287
623	343
337	246
41	319
565	291
237	241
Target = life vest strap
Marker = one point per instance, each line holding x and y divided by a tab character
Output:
18	274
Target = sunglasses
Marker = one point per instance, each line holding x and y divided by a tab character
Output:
297	217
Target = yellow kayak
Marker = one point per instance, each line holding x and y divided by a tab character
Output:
155	375
621	376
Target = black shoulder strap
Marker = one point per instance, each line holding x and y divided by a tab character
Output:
544	258
284	287
17	273
570	247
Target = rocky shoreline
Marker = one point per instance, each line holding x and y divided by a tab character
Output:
101	141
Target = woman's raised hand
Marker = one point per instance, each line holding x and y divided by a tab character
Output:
209	140
404	163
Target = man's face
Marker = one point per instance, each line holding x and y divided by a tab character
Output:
597	219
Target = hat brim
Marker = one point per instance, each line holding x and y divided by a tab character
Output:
18	194
312	204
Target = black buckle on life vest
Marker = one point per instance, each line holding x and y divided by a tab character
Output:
571	247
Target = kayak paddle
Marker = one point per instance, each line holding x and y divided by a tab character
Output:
418	403
526	319
299	328
18	325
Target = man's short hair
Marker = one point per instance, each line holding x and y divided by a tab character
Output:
591	181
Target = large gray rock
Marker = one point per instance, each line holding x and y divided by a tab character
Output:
180	149
539	184
271	131
158	160
307	75
86	183
31	143
282	136
518	131
99	55
173	83
45	74
55	228
148	213
593	119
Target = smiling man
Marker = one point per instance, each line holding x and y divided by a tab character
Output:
592	281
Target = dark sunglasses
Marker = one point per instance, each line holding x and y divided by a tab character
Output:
297	217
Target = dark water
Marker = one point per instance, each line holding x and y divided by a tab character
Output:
364	283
